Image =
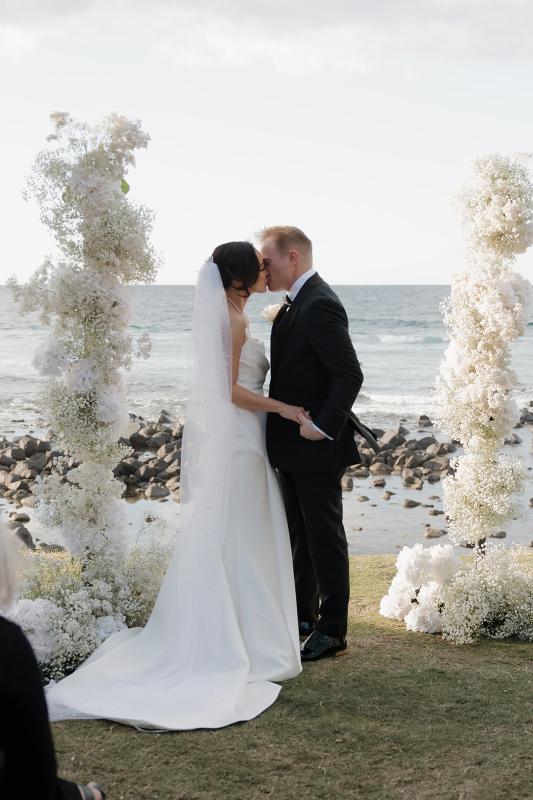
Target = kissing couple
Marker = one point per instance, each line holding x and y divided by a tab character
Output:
261	561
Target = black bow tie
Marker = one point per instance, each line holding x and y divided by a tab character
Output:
287	300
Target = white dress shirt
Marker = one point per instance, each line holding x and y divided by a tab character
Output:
293	291
299	282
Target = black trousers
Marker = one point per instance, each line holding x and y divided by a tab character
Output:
313	504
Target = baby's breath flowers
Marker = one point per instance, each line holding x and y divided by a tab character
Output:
486	311
80	184
497	207
434	591
66	616
493	598
103	240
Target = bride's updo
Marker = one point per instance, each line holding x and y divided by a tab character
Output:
237	261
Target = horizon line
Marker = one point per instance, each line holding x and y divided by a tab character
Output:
5	286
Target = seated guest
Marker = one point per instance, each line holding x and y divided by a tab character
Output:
27	760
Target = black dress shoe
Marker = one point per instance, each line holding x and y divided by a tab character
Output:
305	629
319	645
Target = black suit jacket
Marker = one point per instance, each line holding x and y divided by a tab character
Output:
314	365
24	727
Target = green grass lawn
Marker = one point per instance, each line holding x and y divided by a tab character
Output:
403	715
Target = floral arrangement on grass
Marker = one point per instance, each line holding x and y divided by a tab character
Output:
435	591
486	311
413	595
79	182
66	617
493	597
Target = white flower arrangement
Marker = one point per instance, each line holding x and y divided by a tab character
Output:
79	183
498	206
38	618
103	241
66	616
493	598
270	312
486	311
480	495
434	591
413	595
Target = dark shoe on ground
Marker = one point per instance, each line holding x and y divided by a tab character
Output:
306	629
320	645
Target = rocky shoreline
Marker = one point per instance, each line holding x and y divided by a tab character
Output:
152	470
410	462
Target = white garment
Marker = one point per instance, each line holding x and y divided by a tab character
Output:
299	282
224	625
291	294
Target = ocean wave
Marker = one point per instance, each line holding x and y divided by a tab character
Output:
523	395
410	338
407	403
393	322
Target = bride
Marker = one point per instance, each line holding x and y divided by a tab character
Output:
224	626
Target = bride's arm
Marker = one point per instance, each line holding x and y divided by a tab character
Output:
244	398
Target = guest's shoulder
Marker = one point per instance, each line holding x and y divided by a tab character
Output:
7	624
15	647
10	631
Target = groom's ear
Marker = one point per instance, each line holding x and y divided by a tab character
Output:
294	256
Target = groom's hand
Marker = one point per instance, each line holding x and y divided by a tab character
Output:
290	412
307	430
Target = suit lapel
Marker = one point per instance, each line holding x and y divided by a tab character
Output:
281	333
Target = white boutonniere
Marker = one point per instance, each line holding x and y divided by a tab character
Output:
270	312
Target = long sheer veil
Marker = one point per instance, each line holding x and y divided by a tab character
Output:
207	433
194	575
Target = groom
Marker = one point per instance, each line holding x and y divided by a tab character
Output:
314	365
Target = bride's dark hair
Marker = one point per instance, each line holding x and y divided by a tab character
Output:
237	261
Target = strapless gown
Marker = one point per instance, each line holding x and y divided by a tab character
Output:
141	677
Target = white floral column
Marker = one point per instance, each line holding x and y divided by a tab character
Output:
486	311
102	238
433	591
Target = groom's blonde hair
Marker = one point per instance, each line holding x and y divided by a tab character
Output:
287	236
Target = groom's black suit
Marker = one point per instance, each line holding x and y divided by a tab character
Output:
314	365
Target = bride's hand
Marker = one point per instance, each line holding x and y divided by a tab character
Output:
291	412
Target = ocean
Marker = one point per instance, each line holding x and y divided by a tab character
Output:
397	332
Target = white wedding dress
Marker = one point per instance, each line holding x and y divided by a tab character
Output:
224	625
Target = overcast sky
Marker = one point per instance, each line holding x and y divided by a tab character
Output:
355	120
